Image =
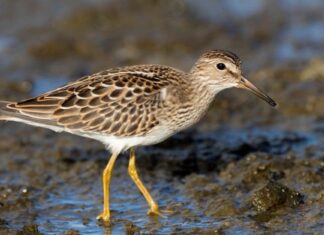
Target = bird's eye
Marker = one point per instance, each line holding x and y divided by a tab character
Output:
221	66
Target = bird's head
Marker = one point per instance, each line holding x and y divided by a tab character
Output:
221	69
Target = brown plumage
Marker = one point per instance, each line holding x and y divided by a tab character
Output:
133	106
112	102
223	53
130	101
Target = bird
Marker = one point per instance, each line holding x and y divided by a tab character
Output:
133	106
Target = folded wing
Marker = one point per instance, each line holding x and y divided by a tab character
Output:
115	102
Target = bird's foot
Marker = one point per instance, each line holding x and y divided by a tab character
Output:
104	217
155	211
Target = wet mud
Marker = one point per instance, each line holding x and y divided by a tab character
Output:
244	169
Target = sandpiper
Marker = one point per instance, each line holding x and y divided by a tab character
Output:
133	106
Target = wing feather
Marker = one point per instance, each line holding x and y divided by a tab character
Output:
119	102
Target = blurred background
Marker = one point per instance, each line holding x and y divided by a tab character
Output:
225	175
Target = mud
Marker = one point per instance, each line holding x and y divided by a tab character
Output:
245	169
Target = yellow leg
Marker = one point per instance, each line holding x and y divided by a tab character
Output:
105	215
154	208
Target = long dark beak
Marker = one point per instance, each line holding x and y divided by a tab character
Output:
245	84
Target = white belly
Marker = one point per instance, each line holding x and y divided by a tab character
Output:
113	143
118	144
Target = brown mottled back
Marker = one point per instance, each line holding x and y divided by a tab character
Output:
120	102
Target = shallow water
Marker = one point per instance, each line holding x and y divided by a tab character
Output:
191	174
223	176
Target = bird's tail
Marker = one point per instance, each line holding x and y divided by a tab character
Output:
5	112
10	114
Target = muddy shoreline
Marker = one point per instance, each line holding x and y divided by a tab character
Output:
244	169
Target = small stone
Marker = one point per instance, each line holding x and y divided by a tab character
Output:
24	190
30	229
131	229
71	232
275	194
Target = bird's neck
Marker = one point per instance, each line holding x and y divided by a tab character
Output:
201	98
193	101
201	94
